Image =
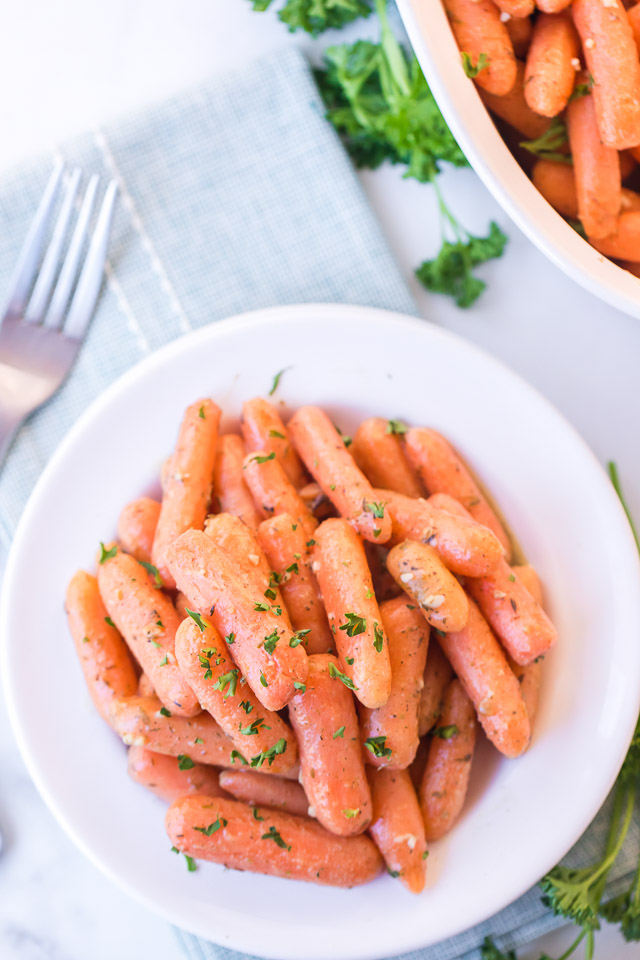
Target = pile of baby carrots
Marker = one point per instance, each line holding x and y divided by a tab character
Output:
565	75
298	643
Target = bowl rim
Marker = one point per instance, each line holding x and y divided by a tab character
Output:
302	313
481	142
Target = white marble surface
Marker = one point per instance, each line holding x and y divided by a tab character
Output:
73	63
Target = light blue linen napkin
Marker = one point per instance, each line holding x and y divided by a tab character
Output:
235	196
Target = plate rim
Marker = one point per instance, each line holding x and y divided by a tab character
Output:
304	313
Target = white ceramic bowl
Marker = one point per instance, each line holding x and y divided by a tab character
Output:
522	815
473	128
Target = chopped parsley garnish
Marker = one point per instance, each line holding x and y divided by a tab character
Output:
164	662
354	625
236	755
351	813
271	641
468	65
376	745
298	637
191	864
230	638
107	554
311	543
339	734
149	567
275	836
396	426
349	660
379	638
270	594
549	145
185	762
377	509
198	740
254	727
263	680
204	658
338	674
201	413
256	815
276	380
198	619
228	680
165	712
259	458
445	733
246	706
85	639
293	568
217	824
276	433
261	606
302	687
269	754
109	621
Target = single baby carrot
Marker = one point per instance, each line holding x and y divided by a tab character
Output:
417	568
443	471
145	687
263	430
340	565
550	73
553	6
274	493
514	109
596	170
377	450
259	736
522	626
261	790
397	721
529	677
137	527
465	546
148	621
397	828
437	676
478	29
446	777
267	653
331	763
633	13
145	722
187	486
520	31
106	663
230	492
325	456
482	668
278	843
239	543
624	241
612	60
164	776
556	182
285	546
181	604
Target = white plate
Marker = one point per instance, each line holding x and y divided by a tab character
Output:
523	815
473	128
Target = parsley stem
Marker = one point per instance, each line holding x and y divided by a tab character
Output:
615	480
576	943
393	54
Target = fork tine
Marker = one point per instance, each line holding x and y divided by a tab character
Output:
47	273
69	271
27	265
84	299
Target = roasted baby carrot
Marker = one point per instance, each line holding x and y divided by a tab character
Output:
145	722
465	546
267	653
148	621
438	673
273	492
325	456
519	30
482	668
596	170
230	492
261	790
529	677
514	109
340	565
556	182
397	828
633	14
145	687
187	485
550	73
553	6
417	568
137	527
279	844
377	450
106	663
259	736
443	471
263	430
624	241
478	29
612	60
446	777
397	721
520	623
239	543
285	546
164	776
331	763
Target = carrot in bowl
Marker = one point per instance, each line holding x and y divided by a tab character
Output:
269	841
240	545
263	430
550	73
165	777
377	449
624	241
262	790
230	492
273	492
397	828
437	676
520	30
612	60
514	109
596	169
187	484
478	29
417	568
530	676
137	527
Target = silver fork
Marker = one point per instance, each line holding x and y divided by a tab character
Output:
46	319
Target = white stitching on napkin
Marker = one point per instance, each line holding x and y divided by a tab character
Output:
156	263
